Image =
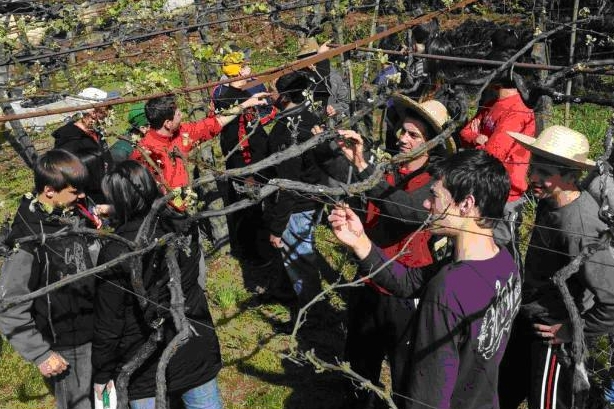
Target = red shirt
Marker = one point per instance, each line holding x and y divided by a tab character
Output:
495	120
169	152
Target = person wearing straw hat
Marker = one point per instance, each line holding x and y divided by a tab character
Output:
466	309
379	323
566	224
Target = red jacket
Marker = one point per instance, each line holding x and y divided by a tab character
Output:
417	253
169	153
495	120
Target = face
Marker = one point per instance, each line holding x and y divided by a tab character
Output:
545	181
442	207
66	198
175	123
411	135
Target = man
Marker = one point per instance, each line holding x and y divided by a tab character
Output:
243	142
488	131
52	331
379	322
168	141
291	218
566	223
466	309
85	138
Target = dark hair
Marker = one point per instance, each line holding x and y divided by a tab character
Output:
95	168
131	189
59	169
158	110
438	45
292	85
425	31
565	171
475	172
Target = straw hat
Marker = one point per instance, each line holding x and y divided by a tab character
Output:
309	46
560	144
432	112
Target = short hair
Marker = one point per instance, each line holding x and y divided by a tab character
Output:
475	172
59	169
131	189
160	109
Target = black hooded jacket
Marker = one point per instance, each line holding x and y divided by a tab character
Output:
121	327
62	318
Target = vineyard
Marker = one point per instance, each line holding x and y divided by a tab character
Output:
51	51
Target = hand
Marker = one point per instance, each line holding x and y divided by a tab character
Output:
249	181
354	150
475	126
316	129
348	228
104	210
330	111
275	241
324	47
553	334
52	366
481	139
258	98
99	387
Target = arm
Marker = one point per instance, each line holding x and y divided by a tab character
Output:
598	277
17	322
471	130
109	321
500	144
339	98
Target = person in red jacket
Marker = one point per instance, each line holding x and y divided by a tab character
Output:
165	147
488	131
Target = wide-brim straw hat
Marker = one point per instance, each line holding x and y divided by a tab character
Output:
559	144
432	112
309	46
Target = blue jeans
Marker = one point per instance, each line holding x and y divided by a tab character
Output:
73	387
205	396
298	240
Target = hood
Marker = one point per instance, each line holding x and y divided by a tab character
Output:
66	133
31	218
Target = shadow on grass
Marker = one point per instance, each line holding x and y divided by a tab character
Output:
23	395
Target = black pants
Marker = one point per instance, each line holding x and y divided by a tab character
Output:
378	326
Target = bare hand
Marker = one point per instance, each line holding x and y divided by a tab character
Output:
257	99
104	210
330	111
348	228
99	387
324	47
352	147
553	334
481	139
275	241
52	366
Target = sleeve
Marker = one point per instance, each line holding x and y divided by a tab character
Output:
400	280
109	321
340	94
436	351
467	134
598	278
202	130
17	323
500	144
406	207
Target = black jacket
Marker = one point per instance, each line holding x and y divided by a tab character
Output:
121	327
301	168
62	318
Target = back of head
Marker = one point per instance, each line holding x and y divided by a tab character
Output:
292	86
59	169
476	173
131	189
158	110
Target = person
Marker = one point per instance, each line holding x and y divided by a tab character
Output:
168	141
121	327
123	147
243	142
566	222
291	218
466	309
53	331
488	131
85	137
379	322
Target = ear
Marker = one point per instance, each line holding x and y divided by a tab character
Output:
48	191
467	205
